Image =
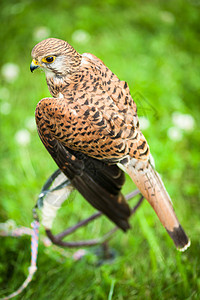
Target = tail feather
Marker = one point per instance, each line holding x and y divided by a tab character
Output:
152	188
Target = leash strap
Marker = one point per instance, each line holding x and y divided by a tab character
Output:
32	269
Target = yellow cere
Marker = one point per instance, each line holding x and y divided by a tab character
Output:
35	62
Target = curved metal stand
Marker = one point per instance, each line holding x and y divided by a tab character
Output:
58	239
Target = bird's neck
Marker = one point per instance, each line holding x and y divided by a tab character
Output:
56	84
58	80
60	85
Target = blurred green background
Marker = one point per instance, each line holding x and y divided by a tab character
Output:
154	46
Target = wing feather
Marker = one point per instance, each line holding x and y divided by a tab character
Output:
98	182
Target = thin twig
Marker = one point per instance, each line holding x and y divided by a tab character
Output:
91	218
57	239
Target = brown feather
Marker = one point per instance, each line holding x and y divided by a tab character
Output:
151	186
99	182
93	113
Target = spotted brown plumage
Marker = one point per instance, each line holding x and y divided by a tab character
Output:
91	129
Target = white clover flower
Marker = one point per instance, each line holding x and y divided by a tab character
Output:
144	123
167	17
183	121
5	108
30	123
175	134
10	224
10	72
41	33
80	36
22	137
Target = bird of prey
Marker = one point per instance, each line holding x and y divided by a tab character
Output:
91	129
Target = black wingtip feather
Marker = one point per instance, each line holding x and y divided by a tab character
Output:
124	225
117	211
180	238
99	182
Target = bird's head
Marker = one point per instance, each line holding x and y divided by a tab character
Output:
56	57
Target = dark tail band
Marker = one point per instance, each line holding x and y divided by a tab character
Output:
180	238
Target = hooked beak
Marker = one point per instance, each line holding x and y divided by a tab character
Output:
34	65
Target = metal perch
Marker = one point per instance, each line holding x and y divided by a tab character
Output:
58	239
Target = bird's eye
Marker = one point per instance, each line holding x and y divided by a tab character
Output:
48	59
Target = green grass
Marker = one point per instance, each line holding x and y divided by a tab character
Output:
154	46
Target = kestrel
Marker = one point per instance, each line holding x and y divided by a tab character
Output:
91	129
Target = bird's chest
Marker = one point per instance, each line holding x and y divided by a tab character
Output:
55	86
